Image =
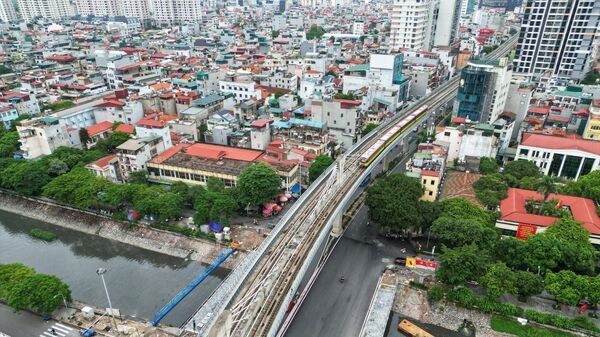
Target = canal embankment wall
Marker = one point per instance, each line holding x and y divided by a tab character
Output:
89	222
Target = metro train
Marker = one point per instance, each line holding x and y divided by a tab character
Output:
382	143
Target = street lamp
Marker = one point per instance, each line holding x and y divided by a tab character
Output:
63	298
101	272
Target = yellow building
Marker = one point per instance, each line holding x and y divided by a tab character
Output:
430	180
592	129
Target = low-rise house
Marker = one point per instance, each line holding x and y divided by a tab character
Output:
107	167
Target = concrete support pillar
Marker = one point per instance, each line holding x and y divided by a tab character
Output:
337	229
386	163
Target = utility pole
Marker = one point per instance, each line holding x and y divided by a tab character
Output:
101	272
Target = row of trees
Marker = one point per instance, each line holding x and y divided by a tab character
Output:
82	189
22	287
491	188
473	250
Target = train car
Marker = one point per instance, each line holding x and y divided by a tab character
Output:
384	141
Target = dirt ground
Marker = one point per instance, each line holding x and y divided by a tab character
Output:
249	236
460	184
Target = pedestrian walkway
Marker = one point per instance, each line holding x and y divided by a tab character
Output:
60	330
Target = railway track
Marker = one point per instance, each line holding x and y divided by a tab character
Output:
258	303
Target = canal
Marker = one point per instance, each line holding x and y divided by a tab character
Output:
139	281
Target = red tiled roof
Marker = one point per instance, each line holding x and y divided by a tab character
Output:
458	120
429	173
110	104
99	128
168	153
560	143
126	128
61	58
104	161
558	118
261	123
513	209
542	110
217	151
151	122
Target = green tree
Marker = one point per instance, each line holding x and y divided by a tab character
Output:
11	275
587	186
546	186
215	185
80	188
258	184
562	286
462	264
460	232
5	70
25	178
138	177
274	34
155	201
429	211
541	252
9	143
84	137
509	250
462	208
522	168
490	189
368	128
315	32
528	284
319	166
591	78
394	203
530	183
38	292
57	167
215	206
488	165
117	138
576	251
498	280
340	95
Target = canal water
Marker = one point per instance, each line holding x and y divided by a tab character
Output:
139	281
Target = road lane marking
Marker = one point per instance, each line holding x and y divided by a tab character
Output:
60	329
63	326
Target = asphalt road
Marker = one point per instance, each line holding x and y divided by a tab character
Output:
332	308
26	324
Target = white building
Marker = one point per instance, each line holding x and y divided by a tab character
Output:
41	136
135	153
169	12
564	157
343	118
477	142
99	7
151	128
358	28
260	134
8	114
136	9
281	79
50	9
413	24
316	86
557	37
106	167
241	90
7	11
447	23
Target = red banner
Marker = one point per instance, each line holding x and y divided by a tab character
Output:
523	231
425	264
